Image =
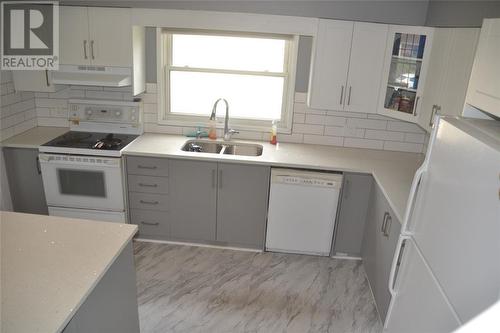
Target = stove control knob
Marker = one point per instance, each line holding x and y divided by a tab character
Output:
132	118
118	113
89	111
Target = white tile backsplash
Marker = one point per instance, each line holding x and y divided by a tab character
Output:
17	109
310	126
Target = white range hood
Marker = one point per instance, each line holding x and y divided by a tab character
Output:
87	75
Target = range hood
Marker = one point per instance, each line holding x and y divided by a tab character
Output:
93	75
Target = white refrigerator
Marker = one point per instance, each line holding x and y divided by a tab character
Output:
446	267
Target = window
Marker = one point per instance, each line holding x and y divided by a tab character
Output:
253	73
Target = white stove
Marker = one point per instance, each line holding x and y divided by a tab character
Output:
82	169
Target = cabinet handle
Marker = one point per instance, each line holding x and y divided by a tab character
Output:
416	105
349	96
213	178
388	224
92	49
220	179
146	167
37	163
85	49
148	185
382	229
148	202
150	223
435	109
47	77
341	95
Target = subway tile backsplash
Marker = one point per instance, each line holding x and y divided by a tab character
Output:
310	126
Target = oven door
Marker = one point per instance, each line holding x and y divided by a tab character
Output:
82	182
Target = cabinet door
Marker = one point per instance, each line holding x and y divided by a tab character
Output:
242	204
379	243
193	202
25	180
40	81
365	66
110	36
74	36
329	65
450	66
484	86
405	68
352	217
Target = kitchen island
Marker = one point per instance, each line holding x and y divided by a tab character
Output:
66	275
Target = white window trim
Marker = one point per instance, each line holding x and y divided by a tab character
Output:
164	118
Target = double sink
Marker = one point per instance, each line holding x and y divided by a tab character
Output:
217	147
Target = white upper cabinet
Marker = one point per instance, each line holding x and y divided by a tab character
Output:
406	62
484	86
365	67
329	65
346	66
95	36
450	66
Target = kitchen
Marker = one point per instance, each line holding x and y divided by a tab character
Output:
197	167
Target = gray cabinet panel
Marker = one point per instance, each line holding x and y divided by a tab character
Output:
25	180
379	245
148	166
148	201
193	185
148	184
150	222
352	216
242	204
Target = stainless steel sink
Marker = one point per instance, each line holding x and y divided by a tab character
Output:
199	146
242	149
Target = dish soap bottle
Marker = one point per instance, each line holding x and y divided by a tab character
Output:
212	128
274	133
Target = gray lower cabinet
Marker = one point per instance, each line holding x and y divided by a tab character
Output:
193	202
351	221
25	180
112	305
380	238
242	204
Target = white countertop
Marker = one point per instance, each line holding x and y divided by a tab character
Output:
34	137
49	265
393	171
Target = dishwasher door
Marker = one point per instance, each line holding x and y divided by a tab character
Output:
302	211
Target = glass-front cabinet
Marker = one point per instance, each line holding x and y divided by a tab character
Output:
407	53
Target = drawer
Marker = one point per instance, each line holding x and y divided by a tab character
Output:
147	184
147	166
150	222
148	201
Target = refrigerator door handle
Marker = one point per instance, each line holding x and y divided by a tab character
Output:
396	263
411	199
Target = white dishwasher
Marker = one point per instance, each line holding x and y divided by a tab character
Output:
302	211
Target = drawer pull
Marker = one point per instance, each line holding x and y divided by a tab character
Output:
148	202
150	223
147	167
148	185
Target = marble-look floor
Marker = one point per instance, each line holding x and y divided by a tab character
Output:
197	289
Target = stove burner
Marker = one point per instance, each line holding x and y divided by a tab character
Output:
71	138
108	142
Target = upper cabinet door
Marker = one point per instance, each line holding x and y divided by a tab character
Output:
74	35
450	66
366	65
330	63
407	57
484	86
110	41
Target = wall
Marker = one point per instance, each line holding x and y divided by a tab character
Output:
17	109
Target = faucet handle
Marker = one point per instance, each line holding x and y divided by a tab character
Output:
229	133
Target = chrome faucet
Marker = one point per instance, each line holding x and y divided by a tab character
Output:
228	132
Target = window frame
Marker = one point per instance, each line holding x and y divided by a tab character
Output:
165	117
